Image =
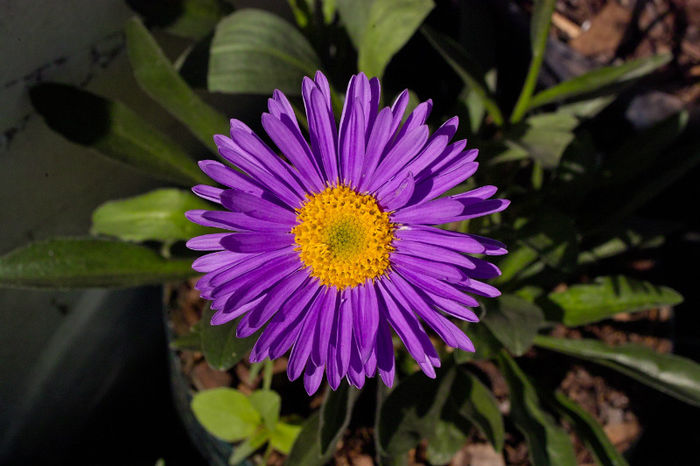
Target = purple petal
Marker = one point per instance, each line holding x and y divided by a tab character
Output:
209	193
239	221
210	242
432	187
356	370
415	119
246	265
313	376
479	288
435	253
352	144
343	343
377	140
217	260
437	287
223	316
292	144
438	270
325	326
399	155
257	242
322	132
385	362
274	299
447	239
366	317
226	176
305	340
432	212
398	195
254	206
452	308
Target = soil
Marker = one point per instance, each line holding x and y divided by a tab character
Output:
610	398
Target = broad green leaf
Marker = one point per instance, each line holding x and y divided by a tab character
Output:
114	130
256	52
226	413
389	25
516	260
246	448
305	10
65	263
473	400
513	321
674	375
354	15
411	410
221	347
306	450
549	444
283	436
466	68
336	412
486	345
539	31
584	304
185	18
588	430
158	216
618	245
448	437
546	136
157	76
586	108
268	404
600	78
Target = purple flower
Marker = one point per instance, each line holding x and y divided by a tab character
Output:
337	247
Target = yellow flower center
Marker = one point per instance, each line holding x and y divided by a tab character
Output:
343	236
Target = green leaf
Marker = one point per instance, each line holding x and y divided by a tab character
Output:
388	26
539	31
619	244
158	215
674	375
336	412
448	438
584	304
283	436
466	68
157	76
226	413
486	345
114	130
64	263
598	79
546	136
516	260
548	443
306	450
513	321
473	400
268	404
221	347
354	15
192	19
588	430
411	410
256	52
246	448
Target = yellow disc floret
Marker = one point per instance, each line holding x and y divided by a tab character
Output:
343	236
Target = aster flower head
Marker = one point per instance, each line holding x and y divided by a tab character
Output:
332	247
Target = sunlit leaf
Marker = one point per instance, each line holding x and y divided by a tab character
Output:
584	304
225	413
513	321
157	76
473	400
283	437
158	215
64	263
674	375
268	404
256	52
600	78
247	447
113	130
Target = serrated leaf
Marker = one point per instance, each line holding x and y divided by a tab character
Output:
336	412
159	79
584	304
306	450
549	444
283	436
64	263
221	347
513	321
410	411
588	430
155	216
473	400
674	375
256	52
225	413
539	31
114	130
466	68
388	25
599	78
268	404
